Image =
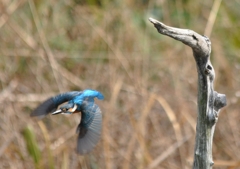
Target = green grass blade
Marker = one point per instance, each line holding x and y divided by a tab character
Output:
32	145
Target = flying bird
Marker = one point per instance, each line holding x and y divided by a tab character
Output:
89	128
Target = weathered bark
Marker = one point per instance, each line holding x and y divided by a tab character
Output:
209	101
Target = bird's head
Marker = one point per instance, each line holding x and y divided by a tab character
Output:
68	108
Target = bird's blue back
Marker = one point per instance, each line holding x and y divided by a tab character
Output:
87	95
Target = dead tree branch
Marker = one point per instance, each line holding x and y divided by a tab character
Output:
209	101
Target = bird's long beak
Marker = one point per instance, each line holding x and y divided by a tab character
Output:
57	112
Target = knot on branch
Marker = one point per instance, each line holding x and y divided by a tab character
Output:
209	71
220	101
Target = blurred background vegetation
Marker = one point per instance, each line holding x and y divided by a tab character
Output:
149	81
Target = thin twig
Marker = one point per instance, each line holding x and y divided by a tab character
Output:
22	34
5	144
173	119
8	90
155	163
9	11
46	47
109	41
212	17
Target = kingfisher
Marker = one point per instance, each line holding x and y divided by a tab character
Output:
90	126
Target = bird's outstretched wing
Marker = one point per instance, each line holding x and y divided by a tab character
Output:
52	103
89	129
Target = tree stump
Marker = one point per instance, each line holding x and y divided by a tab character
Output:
209	101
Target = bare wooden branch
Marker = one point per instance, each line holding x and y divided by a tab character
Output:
209	101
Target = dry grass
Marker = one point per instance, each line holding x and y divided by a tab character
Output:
149	81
